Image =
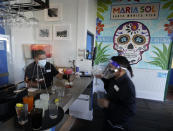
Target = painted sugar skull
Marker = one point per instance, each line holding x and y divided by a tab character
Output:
131	40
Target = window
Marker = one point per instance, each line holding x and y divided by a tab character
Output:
90	45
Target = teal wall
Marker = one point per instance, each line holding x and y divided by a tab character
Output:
157	55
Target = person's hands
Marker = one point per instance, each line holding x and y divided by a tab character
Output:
99	76
103	103
59	76
32	84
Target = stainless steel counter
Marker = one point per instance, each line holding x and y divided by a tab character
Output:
71	94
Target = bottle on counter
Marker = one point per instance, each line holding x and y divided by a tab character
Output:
22	113
57	102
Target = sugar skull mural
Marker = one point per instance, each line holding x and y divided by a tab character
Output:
131	40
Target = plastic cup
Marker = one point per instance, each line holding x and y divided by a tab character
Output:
37	103
44	97
61	93
53	112
100	95
36	118
30	101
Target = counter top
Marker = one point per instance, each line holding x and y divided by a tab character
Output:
71	94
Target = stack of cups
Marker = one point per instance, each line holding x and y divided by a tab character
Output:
44	99
60	93
42	103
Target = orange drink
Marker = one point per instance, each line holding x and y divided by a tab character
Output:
29	100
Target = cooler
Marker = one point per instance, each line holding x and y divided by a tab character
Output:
3	63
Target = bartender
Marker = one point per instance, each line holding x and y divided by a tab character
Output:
40	73
119	105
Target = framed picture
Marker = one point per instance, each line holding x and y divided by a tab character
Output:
44	32
61	32
54	13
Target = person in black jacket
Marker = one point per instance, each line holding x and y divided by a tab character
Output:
119	105
40	73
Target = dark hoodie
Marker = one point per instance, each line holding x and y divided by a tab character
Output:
121	95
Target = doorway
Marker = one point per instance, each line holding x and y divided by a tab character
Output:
90	45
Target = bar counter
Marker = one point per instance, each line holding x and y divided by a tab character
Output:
71	94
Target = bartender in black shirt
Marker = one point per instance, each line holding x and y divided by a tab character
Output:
119	105
40	73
